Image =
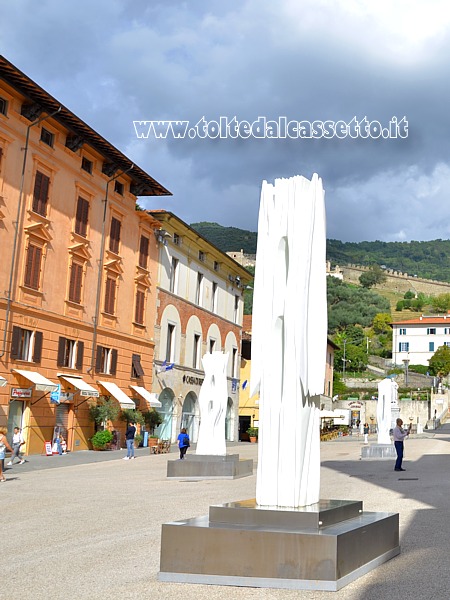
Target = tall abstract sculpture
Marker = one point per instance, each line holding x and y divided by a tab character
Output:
289	340
212	401
387	397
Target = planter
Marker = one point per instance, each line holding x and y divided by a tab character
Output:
253	439
152	441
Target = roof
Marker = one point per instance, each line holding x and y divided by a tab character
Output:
425	320
143	184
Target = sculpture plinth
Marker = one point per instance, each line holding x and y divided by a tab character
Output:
383	451
319	547
197	466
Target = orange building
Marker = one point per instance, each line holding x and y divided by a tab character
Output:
77	299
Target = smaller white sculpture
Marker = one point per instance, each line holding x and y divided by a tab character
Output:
387	397
212	400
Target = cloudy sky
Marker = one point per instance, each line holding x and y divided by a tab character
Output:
116	61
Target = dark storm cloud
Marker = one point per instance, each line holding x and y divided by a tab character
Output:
113	62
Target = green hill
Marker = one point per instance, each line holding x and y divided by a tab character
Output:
430	260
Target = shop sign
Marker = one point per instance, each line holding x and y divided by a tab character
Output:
87	394
192	380
55	397
21	392
234	383
355	405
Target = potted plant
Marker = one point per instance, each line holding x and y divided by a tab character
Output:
102	412
101	439
152	418
138	440
253	434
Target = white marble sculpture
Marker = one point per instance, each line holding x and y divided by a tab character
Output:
289	340
212	400
387	397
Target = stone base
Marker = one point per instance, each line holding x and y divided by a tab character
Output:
379	451
324	546
198	466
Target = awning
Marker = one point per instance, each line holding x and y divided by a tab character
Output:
3	381
116	392
84	388
152	399
328	414
41	383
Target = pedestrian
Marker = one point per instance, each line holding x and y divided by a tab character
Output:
17	442
129	438
366	433
183	442
399	435
3	446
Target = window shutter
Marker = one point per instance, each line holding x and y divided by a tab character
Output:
139	311
82	217
40	195
98	359
143	252
80	353
61	352
113	362
76	275
114	235
37	350
136	359
33	266
15	343
110	294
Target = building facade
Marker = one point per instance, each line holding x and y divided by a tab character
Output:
416	340
199	310
77	300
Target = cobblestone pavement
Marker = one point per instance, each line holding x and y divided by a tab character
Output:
88	525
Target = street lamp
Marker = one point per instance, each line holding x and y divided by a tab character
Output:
406	363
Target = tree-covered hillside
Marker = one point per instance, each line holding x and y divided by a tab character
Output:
430	260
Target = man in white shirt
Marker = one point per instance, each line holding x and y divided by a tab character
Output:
399	436
17	442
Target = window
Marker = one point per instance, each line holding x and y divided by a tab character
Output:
81	219
87	165
136	368
139	308
402	331
176	239
447	344
236	309
47	137
110	295
76	279
106	360
70	353
199	290
234	363
430	346
26	345
212	344
143	251
431	331
114	235
196	352
40	194
403	347
33	266
201	255
216	266
170	346
174	276
3	106
118	187
447	330
214	296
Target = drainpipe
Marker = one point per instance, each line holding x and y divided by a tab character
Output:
10	292
100	269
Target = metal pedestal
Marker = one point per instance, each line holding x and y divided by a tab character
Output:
324	546
198	466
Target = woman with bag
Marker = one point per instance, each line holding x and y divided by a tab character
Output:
183	443
3	446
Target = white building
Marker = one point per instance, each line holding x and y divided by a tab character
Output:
418	339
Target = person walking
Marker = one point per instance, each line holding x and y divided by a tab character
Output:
399	435
17	442
183	442
3	446
129	438
366	433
